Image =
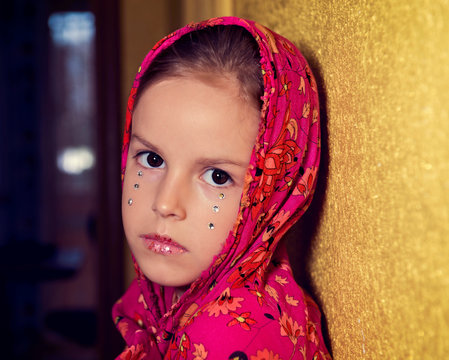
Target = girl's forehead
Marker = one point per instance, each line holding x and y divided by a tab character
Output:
194	115
182	94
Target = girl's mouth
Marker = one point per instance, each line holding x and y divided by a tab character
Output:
163	245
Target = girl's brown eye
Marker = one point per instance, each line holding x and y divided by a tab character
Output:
150	159
154	160
217	177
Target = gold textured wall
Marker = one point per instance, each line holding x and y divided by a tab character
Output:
380	254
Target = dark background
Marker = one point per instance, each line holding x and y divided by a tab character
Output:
60	228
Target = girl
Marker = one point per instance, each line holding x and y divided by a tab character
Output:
220	157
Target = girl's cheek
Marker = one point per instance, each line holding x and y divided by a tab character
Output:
221	202
139	183
137	173
209	192
218	194
149	176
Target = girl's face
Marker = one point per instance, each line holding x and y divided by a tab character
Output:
191	141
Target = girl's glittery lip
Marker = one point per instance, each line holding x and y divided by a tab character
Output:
163	245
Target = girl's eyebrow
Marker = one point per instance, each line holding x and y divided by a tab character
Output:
202	161
215	162
144	142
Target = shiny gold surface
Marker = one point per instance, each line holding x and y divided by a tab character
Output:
380	255
197	10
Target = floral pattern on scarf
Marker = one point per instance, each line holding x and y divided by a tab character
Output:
246	305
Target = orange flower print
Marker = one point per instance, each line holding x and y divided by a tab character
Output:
311	333
117	319
161	41
138	319
290	328
179	347
315	116
280	156
205	23
272	292
268	232
243	319
275	112
285	265
142	301
280	280
184	345
265	354
278	159
286	85
200	352
279	219
306	183
292	128
133	353
267	74
306	110
213	21
291	300
311	79
288	182
270	38
248	270
224	304
131	98
302	86
288	47
260	297
189	316
123	327
320	355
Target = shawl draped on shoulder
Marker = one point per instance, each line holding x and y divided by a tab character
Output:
246	305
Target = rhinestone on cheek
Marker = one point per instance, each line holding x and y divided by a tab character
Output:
140	173
221	196
136	186
215	208
211	226
130	201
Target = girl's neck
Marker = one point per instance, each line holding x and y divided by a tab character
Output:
179	291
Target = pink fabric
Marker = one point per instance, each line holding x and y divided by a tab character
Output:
246	305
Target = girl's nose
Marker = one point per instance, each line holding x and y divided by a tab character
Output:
169	201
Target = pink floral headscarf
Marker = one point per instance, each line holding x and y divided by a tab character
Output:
246	305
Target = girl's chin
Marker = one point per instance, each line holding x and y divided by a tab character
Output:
175	282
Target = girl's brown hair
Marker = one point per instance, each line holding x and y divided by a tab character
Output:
219	50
